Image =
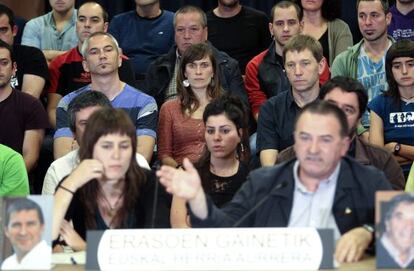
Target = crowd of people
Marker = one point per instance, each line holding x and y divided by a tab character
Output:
234	104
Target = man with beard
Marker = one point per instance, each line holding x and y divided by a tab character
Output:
238	30
22	117
349	95
402	21
144	33
365	61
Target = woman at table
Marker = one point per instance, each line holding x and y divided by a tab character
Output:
321	21
180	127
223	165
392	113
107	190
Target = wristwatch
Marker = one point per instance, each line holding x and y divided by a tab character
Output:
397	148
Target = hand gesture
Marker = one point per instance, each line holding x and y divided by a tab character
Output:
87	170
352	245
71	237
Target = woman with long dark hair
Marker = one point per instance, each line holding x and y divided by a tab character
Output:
223	165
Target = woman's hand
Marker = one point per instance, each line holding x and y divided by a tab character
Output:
71	237
87	170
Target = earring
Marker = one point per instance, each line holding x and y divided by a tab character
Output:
186	83
241	147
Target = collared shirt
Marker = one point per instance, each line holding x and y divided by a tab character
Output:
40	257
393	251
276	122
314	209
41	32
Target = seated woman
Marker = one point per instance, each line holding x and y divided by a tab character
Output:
392	113
321	21
108	189
180	127
222	167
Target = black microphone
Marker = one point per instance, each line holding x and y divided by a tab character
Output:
260	203
155	200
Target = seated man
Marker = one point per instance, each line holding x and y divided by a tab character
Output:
24	225
350	95
102	59
13	174
79	110
322	188
402	20
66	70
22	117
32	74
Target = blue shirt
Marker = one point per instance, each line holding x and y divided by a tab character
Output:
141	108
41	33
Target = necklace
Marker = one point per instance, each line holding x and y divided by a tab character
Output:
111	210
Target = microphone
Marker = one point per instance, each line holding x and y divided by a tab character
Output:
260	203
155	200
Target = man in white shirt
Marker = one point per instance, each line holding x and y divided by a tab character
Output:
24	226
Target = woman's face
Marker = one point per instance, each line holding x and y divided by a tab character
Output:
312	5
199	73
403	71
221	136
114	151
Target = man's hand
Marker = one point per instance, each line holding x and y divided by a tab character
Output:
352	245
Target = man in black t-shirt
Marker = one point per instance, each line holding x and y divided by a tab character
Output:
32	74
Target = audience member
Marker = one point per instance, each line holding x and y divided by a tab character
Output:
190	27
13	174
365	61
66	70
107	190
402	20
22	117
79	110
392	113
350	96
316	190
238	30
53	33
102	59
31	74
396	246
180	128
321	21
223	165
144	33
24	225
304	63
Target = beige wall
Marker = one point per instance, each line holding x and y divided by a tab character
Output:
27	9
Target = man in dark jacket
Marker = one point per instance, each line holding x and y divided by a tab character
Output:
190	26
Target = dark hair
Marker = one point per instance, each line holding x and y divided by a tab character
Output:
286	4
103	122
105	16
186	95
22	204
7	46
234	110
401	48
301	42
384	3
84	100
325	108
349	85
9	13
191	9
397	200
330	9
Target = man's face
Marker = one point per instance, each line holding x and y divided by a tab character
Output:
90	20
82	117
228	3
348	102
145	2
285	24
400	227
318	145
102	56
372	20
189	30
7	33
24	231
302	70
7	68
403	72
62	6
405	1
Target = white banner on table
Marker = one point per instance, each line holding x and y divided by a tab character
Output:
208	249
